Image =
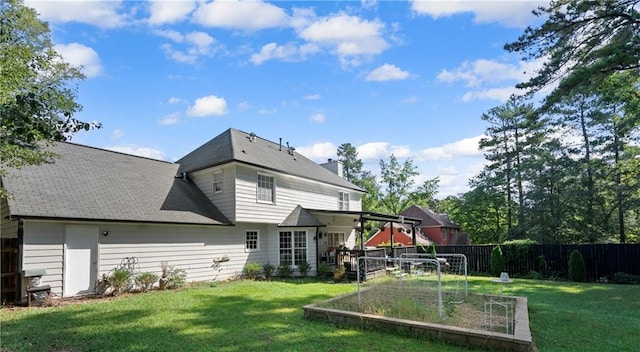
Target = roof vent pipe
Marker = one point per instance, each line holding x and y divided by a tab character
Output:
280	144
184	177
252	137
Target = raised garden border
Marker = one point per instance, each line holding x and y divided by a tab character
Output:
520	341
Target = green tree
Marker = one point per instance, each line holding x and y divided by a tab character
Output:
581	42
425	195
37	95
397	179
352	168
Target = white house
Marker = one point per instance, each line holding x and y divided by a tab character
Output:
236	199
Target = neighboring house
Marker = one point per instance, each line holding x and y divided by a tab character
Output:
236	199
437	227
402	234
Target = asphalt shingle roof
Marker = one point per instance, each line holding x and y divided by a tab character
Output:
235	145
429	218
301	217
96	184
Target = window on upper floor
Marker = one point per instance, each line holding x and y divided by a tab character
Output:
251	241
444	234
218	179
266	190
343	200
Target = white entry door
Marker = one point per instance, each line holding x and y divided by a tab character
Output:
80	259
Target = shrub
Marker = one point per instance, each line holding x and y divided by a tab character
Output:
284	271
268	270
516	254
119	280
577	269
176	277
432	248
340	273
497	261
251	270
304	268
146	280
625	279
324	270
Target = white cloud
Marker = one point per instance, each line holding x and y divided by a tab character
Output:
81	56
319	117
387	72
104	14
243	106
319	152
140	151
313	97
349	37
164	12
170	119
467	147
117	134
373	151
500	94
507	13
267	111
198	44
409	100
288	52
489	79
208	106
174	100
243	15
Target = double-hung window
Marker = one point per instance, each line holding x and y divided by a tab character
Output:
266	190
218	178
343	201
335	239
251	241
293	247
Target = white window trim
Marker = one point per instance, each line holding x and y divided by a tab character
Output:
218	172
248	250
293	255
274	189
344	205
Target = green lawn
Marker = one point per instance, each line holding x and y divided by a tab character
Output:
267	316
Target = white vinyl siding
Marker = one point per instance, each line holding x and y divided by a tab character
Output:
218	181
343	201
266	189
252	241
291	192
44	249
225	200
8	228
293	247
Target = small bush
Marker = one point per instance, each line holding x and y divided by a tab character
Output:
324	270
146	280
577	268
625	279
497	261
119	280
534	275
304	268
284	271
176	277
340	273
432	248
251	270
268	270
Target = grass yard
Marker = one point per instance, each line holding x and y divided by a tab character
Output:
267	316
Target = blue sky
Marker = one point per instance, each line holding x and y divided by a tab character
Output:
408	78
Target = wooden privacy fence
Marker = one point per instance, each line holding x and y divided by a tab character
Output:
601	260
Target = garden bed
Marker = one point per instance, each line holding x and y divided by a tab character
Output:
466	323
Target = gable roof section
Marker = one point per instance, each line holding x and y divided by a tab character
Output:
429	218
301	217
87	183
234	145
